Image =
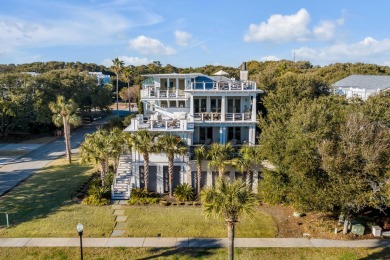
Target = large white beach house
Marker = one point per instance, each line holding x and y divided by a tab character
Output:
201	110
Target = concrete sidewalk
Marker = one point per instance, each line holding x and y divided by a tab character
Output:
190	242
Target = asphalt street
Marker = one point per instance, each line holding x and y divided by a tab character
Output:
17	170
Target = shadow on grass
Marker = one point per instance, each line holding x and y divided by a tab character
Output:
383	253
42	193
194	248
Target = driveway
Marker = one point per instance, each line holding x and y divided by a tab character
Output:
15	169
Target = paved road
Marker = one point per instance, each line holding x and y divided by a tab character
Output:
21	168
190	242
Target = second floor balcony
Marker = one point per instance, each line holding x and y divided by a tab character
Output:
230	117
163	94
222	86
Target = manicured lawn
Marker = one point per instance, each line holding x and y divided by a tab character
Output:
188	221
199	253
42	207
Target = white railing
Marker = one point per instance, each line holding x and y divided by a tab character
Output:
159	125
238	116
207	116
173	93
223	86
211	116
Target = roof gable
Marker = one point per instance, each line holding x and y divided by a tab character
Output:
373	82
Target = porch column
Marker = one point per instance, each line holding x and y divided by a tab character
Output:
254	102
252	137
208	104
223	108
209	181
192	106
255	182
222	134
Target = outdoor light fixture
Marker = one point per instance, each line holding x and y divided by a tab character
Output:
80	228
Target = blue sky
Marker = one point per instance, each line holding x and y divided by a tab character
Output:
194	33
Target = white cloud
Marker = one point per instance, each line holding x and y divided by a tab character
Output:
325	29
280	28
367	50
136	61
182	38
270	58
71	25
146	45
295	27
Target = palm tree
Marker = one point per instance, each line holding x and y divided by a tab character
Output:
228	201
117	68
249	156
96	148
117	140
172	145
65	115
143	142
200	155
127	73
219	155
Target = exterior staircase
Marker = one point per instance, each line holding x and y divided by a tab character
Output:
120	189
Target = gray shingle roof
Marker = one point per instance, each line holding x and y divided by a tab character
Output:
373	82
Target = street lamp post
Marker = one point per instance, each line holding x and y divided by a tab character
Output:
80	228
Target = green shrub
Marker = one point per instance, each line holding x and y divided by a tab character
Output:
127	120
143	201
139	193
92	200
97	195
164	203
184	192
273	188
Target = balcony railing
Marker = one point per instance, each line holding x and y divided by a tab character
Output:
150	93
211	116
223	86
159	125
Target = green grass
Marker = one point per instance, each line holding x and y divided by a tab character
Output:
198	253
189	221
41	206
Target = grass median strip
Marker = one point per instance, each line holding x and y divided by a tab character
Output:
195	253
188	221
41	206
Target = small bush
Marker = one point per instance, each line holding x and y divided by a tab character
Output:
139	193
164	203
273	188
143	201
97	195
184	192
92	200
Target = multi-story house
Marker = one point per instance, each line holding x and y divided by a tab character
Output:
201	110
362	86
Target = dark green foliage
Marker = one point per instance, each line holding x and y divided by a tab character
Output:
143	201
184	192
273	187
127	120
114	122
142	197
139	193
97	195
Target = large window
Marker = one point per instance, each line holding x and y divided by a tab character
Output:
205	133
234	105
199	105
234	133
215	105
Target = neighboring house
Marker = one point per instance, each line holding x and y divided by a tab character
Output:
102	79
362	86
201	110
